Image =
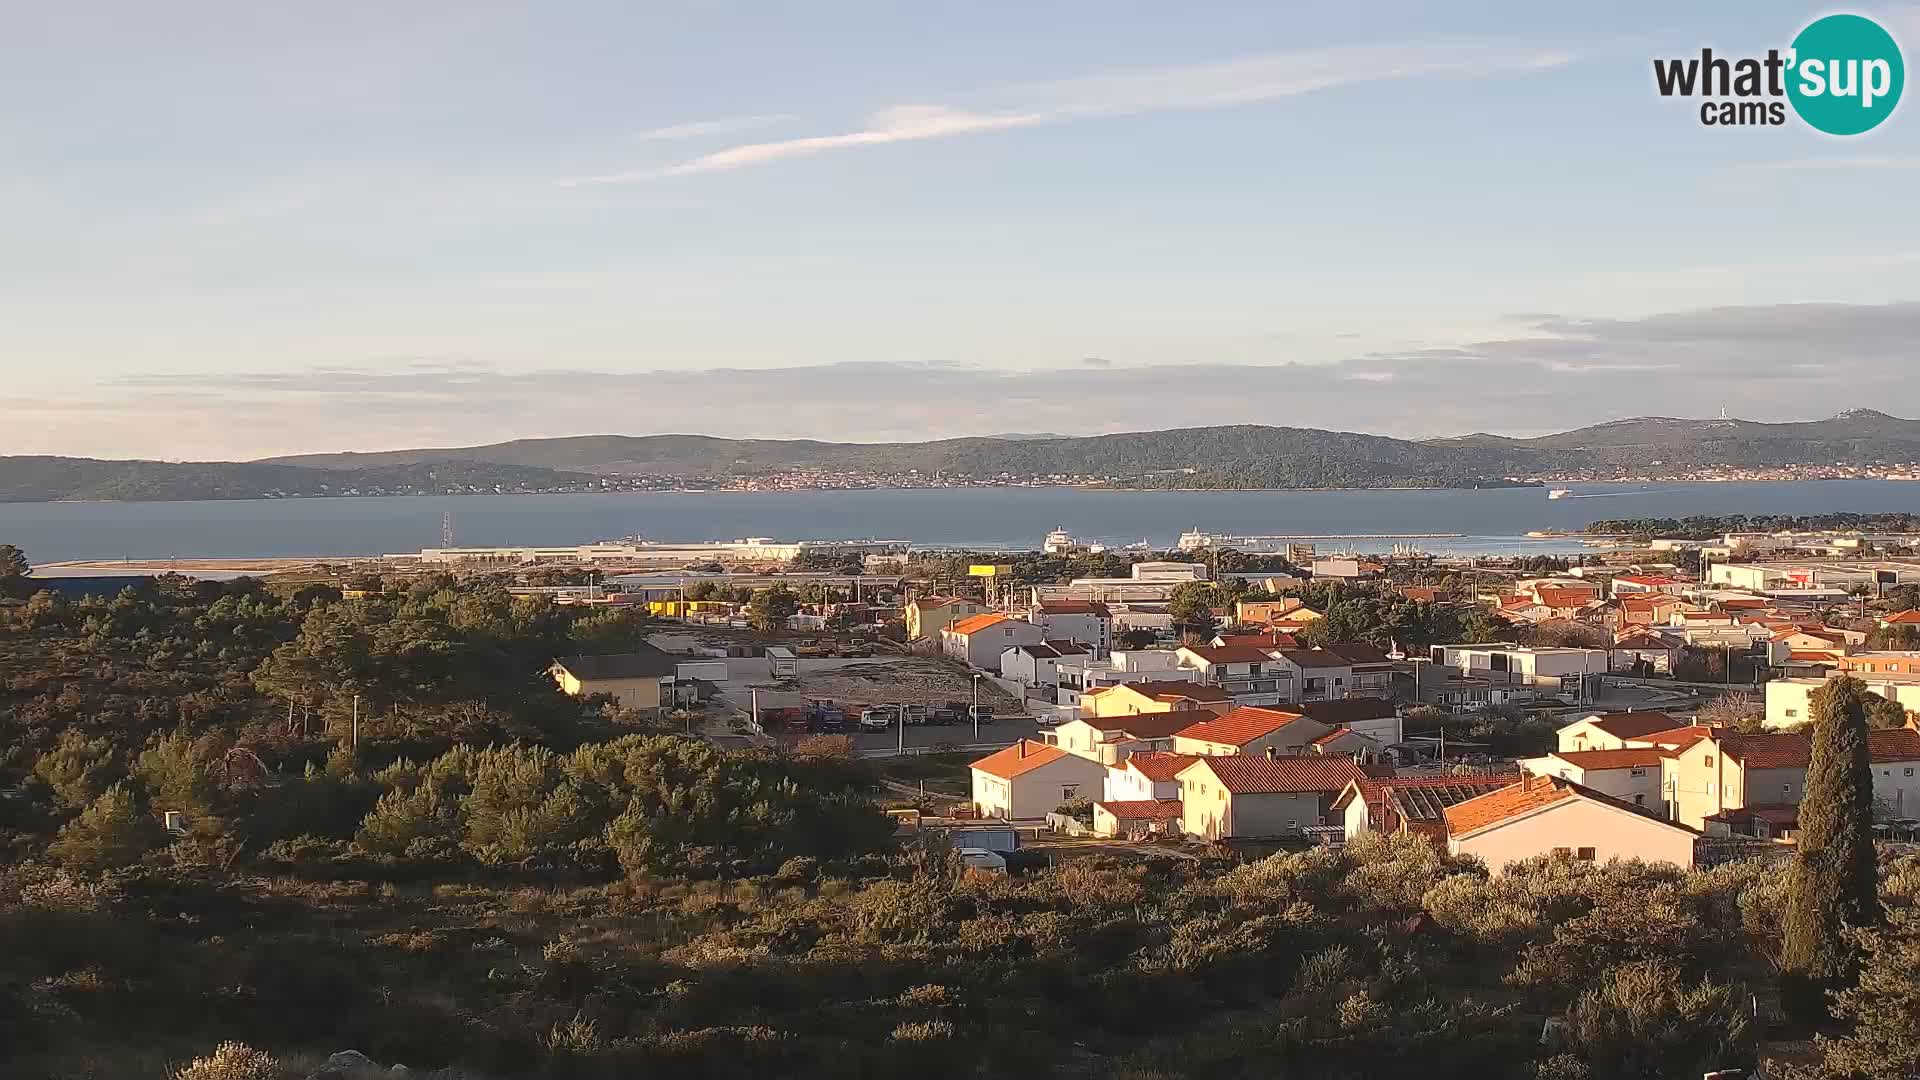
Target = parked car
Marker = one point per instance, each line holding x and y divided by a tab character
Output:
991	862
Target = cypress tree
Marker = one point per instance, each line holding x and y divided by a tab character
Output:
1835	880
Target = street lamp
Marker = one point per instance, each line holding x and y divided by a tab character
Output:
976	708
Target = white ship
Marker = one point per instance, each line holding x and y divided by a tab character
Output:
1559	493
1058	542
1196	540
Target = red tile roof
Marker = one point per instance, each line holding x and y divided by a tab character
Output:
1636	757
973	624
1793	751
1644	642
1241	726
1679	738
1173	691
1631	725
1159	725
1649	580
1335	736
1256	774
1564	598
1022	757
1903	618
1158	765
1143	809
1075	607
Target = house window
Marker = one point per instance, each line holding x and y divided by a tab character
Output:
1069	792
1586	854
1790	712
1562	852
1907	772
1640	800
1708	761
1786	789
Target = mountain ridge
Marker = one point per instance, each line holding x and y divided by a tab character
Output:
1222	456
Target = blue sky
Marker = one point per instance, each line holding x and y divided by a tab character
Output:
231	230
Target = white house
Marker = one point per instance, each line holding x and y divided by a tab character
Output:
1247	672
1249	730
1613	731
1631	775
1029	780
1037	665
978	640
1549	815
1111	740
1083	622
1145	777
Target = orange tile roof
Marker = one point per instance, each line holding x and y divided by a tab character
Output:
1256	774
1903	618
1814	656
1022	757
1417	798
1241	726
1274	639
1336	735
1651	581
1679	738
973	624
1157	725
1778	751
1564	598
1143	809
1174	691
1158	765
1633	757
1504	804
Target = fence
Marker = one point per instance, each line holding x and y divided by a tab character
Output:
940	748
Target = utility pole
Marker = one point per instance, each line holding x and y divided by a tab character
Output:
356	725
976	708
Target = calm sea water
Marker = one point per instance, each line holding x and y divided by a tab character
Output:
1493	520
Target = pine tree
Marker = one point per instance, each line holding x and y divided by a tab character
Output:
1835	881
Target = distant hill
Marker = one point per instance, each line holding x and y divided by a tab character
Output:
1237	456
1859	435
49	479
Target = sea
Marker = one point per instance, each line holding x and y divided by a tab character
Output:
1487	521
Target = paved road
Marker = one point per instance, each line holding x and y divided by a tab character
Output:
1000	731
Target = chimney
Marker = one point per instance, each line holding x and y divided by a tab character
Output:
1272	754
1023	748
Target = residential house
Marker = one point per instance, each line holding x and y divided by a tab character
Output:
1153	696
1910	617
1632	775
1037	665
978	640
1612	731
1319	674
1249	674
1551	815
1255	795
1028	780
928	616
1790	700
1137	820
1344	568
1728	771
1077	675
1256	612
1641	584
1551	669
1146	776
1083	622
1249	730
639	680
1376	718
1410	804
1370	671
1346	742
1879	662
1646	653
1112	740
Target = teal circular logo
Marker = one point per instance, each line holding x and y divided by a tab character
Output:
1846	74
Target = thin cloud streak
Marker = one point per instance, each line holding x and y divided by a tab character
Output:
701	129
1245	80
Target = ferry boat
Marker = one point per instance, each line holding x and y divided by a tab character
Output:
1559	493
1196	540
1058	542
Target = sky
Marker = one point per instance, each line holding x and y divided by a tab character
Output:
231	230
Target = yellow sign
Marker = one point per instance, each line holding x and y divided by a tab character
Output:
989	569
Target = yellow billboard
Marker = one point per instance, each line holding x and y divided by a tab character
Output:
989	569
